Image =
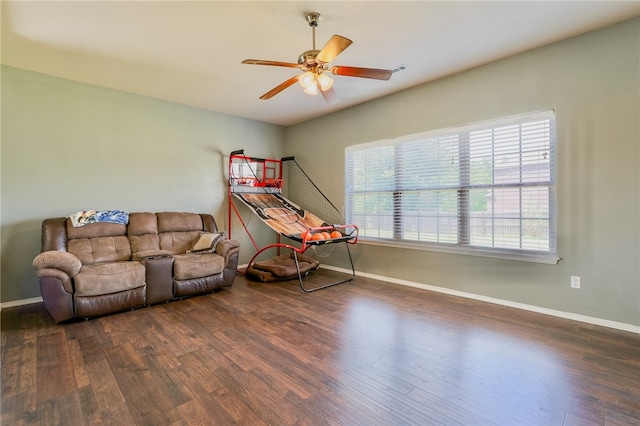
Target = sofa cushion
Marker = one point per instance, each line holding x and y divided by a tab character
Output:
189	266
144	242
107	278
95	230
143	232
178	242
179	231
142	223
100	249
179	222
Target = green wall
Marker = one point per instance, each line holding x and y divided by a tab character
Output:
68	146
592	82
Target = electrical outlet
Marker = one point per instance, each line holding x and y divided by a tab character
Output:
575	282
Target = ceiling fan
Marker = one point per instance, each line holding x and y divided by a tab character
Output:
315	63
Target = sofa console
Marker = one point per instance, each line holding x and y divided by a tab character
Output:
102	268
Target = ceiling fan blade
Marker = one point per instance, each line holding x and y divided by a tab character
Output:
333	48
330	96
279	88
273	63
374	73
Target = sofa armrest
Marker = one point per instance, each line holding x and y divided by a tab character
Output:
150	254
159	278
225	246
60	260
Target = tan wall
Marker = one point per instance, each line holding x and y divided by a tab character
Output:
592	82
69	146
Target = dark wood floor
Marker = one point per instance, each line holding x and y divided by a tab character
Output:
361	353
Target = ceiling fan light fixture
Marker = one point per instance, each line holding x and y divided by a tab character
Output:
311	90
307	79
325	82
315	63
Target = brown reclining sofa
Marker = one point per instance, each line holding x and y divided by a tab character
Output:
101	268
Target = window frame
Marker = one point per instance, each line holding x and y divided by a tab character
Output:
464	186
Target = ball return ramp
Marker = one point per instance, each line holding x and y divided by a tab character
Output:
274	191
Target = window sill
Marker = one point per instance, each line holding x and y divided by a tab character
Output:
524	256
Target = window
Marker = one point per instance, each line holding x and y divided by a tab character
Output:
486	188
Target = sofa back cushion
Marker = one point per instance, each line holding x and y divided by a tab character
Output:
98	242
143	232
178	231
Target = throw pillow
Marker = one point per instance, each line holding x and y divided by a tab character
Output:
207	242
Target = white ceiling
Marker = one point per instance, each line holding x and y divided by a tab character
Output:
190	52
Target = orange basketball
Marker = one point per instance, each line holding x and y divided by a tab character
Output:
318	237
336	234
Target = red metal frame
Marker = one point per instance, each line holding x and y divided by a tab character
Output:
306	244
267	176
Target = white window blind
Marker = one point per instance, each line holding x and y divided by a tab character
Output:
488	187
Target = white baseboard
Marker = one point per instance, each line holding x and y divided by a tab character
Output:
567	315
20	302
532	308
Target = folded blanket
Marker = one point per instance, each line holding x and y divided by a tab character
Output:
84	217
